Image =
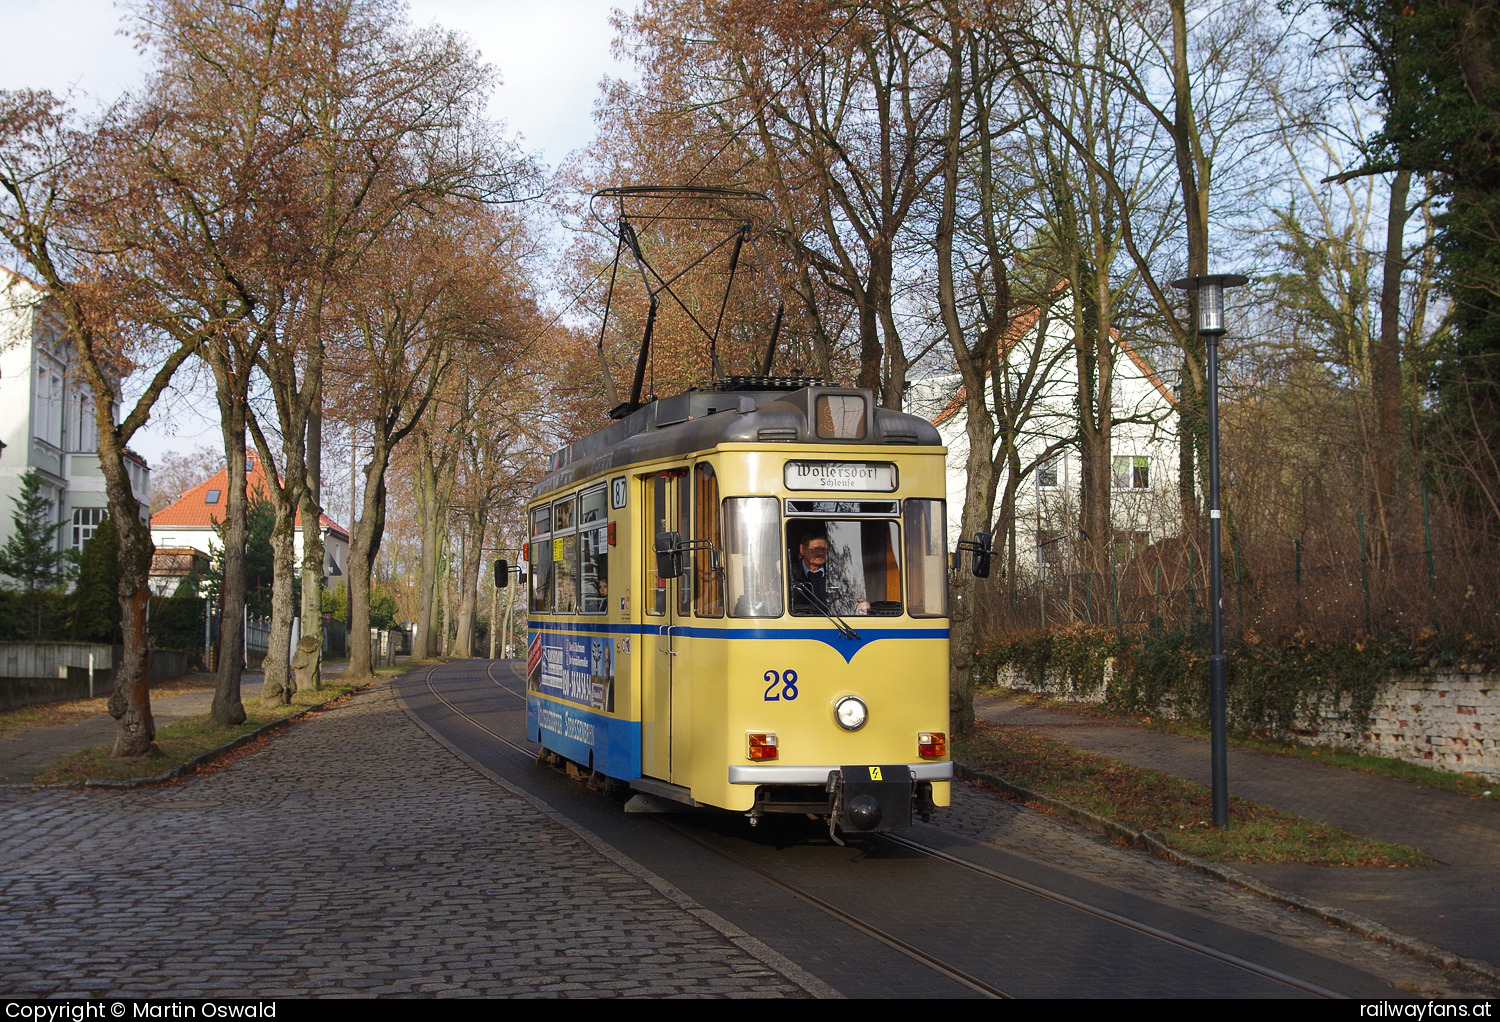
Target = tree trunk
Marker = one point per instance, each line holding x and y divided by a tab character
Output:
231	387
130	701
1192	176
364	547
974	365
467	584
427	521
279	685
1387	376
434	484
310	673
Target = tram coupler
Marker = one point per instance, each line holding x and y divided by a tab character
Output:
871	799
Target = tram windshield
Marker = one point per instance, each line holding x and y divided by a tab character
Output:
817	567
844	567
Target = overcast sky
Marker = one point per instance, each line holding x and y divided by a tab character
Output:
551	57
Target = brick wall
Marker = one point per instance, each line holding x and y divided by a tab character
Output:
1445	721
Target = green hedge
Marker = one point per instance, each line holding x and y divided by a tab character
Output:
1272	686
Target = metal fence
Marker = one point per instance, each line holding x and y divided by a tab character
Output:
1332	589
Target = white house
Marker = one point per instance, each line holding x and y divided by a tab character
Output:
190	523
47	418
1143	442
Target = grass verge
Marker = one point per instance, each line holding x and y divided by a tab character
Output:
24	718
1348	759
1179	811
182	741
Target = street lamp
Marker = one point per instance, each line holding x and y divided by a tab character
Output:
1210	326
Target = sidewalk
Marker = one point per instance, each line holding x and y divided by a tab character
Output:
23	756
351	857
1454	904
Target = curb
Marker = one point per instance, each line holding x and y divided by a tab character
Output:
1148	841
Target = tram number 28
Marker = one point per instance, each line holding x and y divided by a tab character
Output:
782	685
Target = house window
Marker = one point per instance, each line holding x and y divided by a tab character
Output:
1133	472
212	497
48	403
85	522
83	431
1047	473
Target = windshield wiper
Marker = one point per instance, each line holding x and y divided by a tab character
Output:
812	597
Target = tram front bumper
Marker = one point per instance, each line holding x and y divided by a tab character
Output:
865	799
872	799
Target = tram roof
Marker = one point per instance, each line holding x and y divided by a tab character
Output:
737	410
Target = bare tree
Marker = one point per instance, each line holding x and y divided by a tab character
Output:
56	182
361	119
438	291
1200	76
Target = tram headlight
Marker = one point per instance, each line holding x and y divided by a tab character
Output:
851	713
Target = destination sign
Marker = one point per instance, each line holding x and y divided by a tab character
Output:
841	475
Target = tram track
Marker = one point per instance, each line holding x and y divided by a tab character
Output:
865	922
871	930
1081	906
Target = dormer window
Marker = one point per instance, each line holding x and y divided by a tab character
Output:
212	498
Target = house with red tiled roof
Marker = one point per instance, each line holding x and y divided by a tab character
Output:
48	423
1037	352
191	522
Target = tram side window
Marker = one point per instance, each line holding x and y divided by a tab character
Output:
539	557
656	601
709	583
593	550
752	556
684	508
670	500
926	554
564	558
844	567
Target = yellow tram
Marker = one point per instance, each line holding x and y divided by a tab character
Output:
684	638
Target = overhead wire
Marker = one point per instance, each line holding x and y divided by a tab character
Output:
734	135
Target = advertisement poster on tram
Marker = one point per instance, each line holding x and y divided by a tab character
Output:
578	668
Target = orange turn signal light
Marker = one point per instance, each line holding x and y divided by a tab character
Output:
762	745
931	744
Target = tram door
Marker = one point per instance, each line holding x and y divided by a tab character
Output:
667	605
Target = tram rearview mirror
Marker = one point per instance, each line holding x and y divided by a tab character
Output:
982	544
981	547
502	573
668	555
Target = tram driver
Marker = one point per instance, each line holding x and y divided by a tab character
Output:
816	587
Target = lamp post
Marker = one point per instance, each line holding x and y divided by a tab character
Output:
1210	327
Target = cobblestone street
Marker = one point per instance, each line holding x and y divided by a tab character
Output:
350	856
